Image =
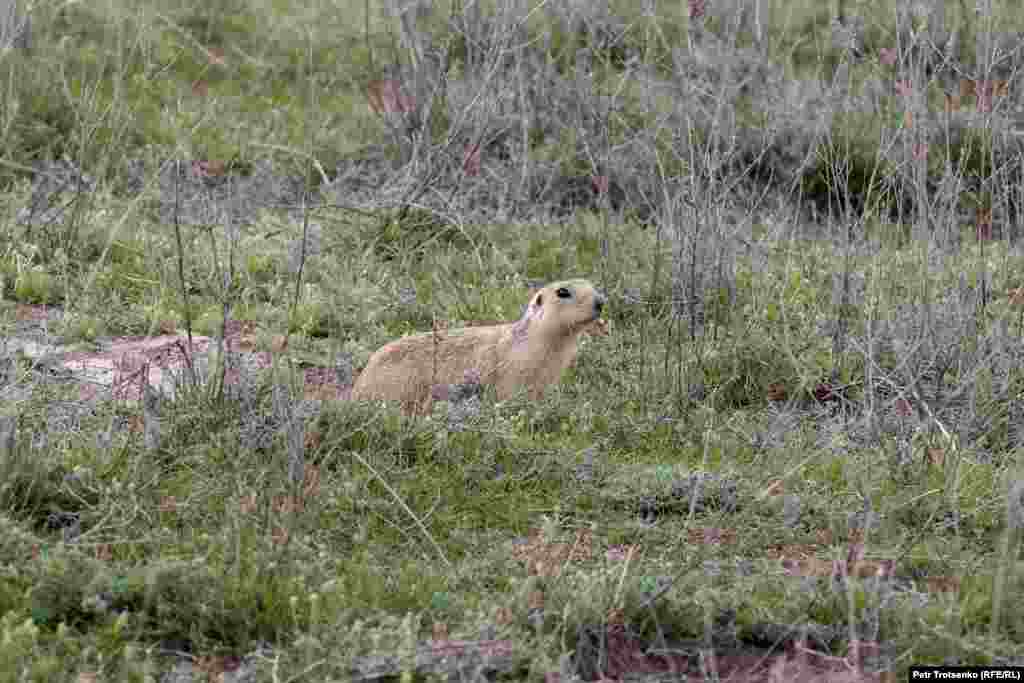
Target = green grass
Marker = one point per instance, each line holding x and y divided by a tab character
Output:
689	478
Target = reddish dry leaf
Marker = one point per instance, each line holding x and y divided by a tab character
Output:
711	536
943	584
903	408
503	616
134	424
247	504
311	482
993	88
324	383
986	92
866	569
244	343
548	559
208	169
583	546
216	666
387	97
855	551
886	568
88	392
471	160
36	312
313	438
825	392
287	504
619	553
792	550
440	392
626	656
983	224
811	566
217	56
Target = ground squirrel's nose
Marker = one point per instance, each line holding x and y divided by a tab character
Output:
599	301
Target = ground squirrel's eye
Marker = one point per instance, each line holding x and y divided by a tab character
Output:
564	293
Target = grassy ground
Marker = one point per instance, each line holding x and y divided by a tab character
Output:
799	447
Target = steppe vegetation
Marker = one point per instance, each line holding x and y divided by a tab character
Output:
797	456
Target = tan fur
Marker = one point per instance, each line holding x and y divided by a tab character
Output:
531	352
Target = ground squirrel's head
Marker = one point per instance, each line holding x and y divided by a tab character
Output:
563	308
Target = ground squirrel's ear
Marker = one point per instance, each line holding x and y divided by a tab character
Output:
539	301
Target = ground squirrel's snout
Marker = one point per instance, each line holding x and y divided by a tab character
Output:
599	301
